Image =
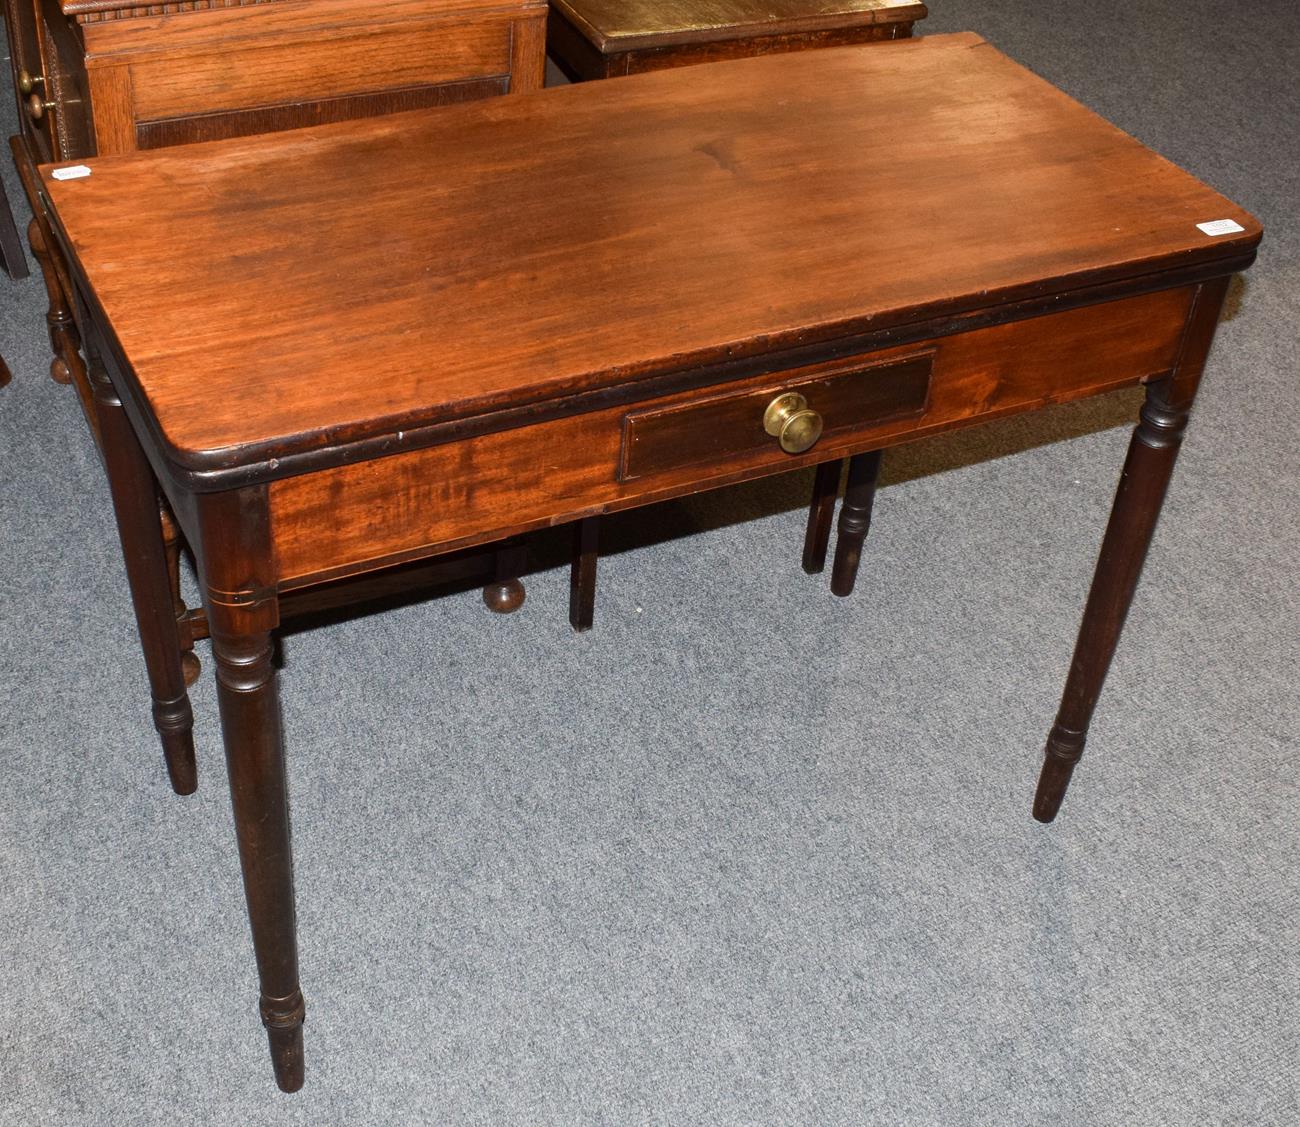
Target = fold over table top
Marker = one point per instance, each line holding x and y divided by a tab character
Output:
302	290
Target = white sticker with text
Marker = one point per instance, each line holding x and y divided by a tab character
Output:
1221	227
72	172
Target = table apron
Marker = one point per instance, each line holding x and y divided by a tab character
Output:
358	517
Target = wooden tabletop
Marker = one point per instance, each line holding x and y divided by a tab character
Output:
301	290
620	25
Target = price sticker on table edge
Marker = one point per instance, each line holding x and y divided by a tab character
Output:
1221	227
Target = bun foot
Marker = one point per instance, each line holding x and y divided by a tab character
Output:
504	596
59	370
191	667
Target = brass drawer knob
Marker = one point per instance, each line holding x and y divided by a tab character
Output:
29	82
792	422
38	107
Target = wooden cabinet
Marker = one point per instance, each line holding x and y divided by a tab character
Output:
95	77
102	76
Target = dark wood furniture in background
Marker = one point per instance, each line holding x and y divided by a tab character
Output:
112	76
11	248
979	264
592	39
11	258
604	38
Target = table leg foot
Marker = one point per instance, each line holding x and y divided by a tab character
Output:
283	1018
504	596
506	593
1064	748
174	720
821	513
855	520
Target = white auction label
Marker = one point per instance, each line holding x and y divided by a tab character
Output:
1221	227
72	172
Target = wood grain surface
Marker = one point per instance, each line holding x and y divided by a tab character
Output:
419	54
619	25
358	517
359	279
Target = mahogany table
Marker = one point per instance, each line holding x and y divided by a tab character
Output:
603	38
787	260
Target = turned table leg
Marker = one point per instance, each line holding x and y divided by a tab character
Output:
250	726
239	594
582	573
821	512
855	520
135	503
1145	478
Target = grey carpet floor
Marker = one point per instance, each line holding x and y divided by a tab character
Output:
746	853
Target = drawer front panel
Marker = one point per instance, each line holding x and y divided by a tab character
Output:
362	516
852	398
350	63
270	119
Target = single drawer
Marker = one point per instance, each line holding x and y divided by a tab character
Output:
854	397
368	514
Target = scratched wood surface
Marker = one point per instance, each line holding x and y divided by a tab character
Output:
358	279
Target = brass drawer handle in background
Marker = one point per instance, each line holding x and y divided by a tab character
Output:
792	423
29	82
38	107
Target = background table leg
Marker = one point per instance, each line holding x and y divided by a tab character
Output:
171	535
855	520
135	502
826	485
1147	470
64	339
11	248
582	573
